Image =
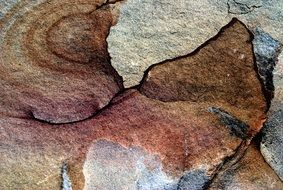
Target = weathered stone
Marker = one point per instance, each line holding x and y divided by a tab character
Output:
140	141
193	180
55	68
149	32
266	52
250	173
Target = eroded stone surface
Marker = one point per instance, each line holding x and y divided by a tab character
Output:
149	32
250	173
266	52
55	67
54	60
111	166
181	141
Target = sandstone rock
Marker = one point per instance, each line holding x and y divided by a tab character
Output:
63	123
56	68
149	32
250	173
140	142
157	141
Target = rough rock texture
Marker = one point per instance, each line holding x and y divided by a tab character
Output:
138	141
250	173
67	122
266	50
171	137
149	32
47	64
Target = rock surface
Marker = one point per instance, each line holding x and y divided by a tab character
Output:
267	51
67	122
149	32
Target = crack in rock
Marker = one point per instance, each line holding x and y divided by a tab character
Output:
193	180
238	8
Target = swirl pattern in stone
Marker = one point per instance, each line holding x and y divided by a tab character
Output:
54	61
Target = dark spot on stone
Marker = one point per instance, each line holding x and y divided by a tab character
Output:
193	180
266	50
235	7
237	127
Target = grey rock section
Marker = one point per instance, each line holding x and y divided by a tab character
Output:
149	32
272	140
6	5
266	51
109	165
242	6
193	180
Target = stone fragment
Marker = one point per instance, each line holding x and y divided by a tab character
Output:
250	173
267	51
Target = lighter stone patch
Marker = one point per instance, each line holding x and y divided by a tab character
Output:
109	165
66	181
